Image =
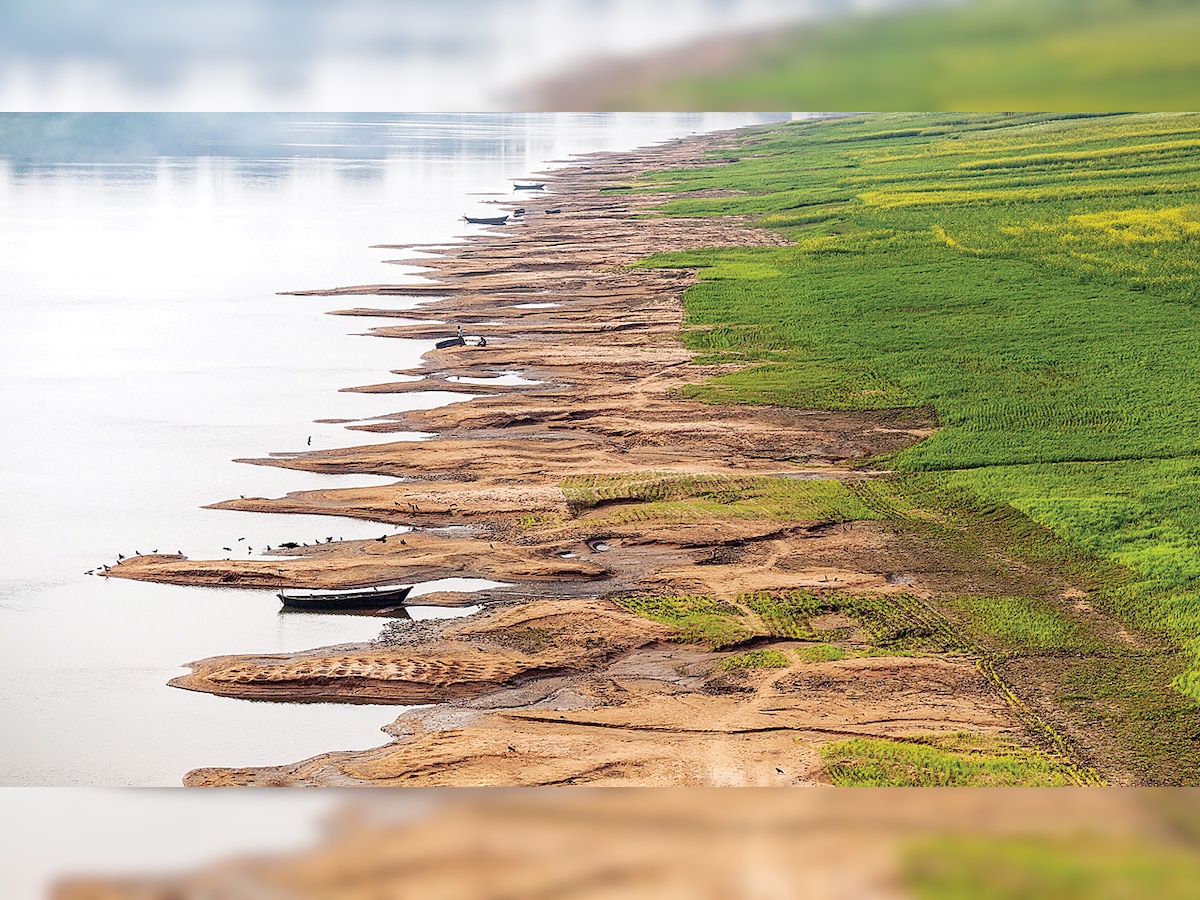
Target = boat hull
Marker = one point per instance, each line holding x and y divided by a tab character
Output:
341	601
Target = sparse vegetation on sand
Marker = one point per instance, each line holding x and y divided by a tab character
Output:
894	622
766	658
959	760
695	620
818	653
641	496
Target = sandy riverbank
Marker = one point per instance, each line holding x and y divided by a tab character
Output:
554	683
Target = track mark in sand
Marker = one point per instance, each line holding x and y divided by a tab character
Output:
731	732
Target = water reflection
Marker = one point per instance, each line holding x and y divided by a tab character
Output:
270	144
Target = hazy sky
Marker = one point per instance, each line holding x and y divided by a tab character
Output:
340	54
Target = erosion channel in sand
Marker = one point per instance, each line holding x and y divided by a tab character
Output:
578	479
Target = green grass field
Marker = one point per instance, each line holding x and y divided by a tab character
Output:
1035	280
979	54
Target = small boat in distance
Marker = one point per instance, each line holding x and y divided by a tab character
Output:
486	220
536	186
460	342
341	601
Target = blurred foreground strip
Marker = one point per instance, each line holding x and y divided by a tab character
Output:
975	55
721	843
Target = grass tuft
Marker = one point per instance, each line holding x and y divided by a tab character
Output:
895	623
645	496
755	659
962	760
696	620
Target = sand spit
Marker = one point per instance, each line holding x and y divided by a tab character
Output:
400	558
554	683
462	659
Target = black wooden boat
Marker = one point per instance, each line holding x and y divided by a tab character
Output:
451	342
486	220
339	601
536	186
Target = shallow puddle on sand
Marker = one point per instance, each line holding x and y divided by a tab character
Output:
506	379
454	530
418	613
431	400
456	586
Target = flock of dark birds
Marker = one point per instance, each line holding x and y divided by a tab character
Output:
286	545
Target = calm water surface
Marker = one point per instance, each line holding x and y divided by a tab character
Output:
143	347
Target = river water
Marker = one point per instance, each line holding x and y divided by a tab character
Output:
144	347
